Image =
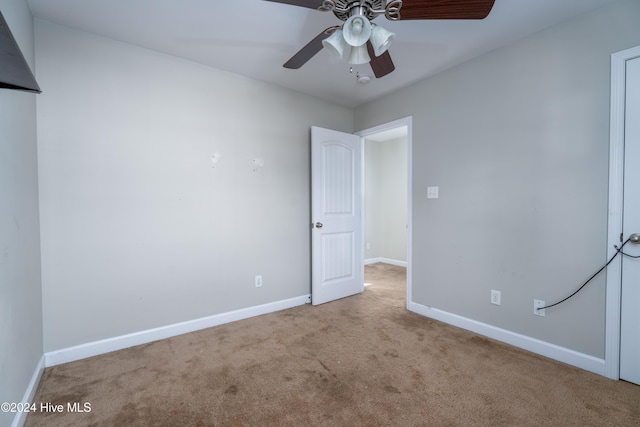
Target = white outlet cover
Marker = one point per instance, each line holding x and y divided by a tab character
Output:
538	303
496	297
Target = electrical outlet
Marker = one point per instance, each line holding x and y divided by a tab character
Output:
258	281
537	304
495	297
368	246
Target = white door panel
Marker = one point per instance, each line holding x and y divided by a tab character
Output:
630	297
336	210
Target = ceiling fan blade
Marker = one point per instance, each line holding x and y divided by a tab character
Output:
308	52
311	4
381	65
445	9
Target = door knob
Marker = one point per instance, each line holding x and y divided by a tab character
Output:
635	238
318	225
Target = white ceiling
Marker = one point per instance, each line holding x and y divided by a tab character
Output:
255	37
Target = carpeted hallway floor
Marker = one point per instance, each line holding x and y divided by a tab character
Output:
359	361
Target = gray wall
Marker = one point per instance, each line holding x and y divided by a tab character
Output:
20	287
386	199
138	229
517	140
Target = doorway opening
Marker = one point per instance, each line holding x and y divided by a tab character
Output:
387	202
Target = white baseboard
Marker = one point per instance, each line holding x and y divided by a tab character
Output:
95	348
30	393
552	351
386	261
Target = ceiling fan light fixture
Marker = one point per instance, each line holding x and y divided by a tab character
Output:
359	55
356	30
381	39
335	43
368	42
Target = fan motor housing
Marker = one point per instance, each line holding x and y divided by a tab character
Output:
343	8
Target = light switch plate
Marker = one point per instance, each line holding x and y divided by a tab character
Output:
432	192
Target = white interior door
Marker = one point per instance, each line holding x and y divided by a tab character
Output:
630	296
337	268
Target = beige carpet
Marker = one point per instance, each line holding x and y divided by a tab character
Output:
359	361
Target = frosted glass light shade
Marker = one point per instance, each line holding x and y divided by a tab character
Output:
335	43
356	30
359	55
381	39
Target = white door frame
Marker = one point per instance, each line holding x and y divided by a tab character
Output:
616	181
405	121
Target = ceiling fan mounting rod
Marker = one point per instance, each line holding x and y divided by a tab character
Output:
358	9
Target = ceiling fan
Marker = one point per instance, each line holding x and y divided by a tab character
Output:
368	42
